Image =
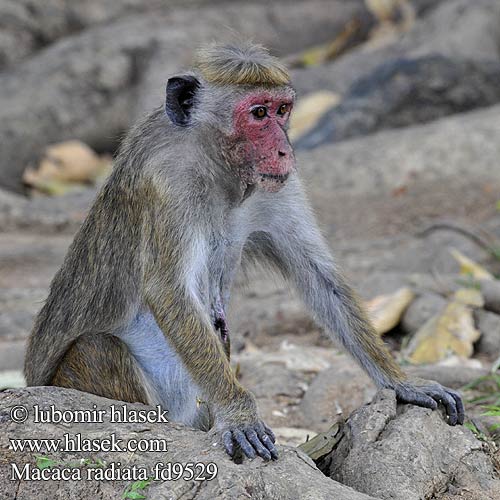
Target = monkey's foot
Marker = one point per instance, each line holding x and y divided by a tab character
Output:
428	394
253	439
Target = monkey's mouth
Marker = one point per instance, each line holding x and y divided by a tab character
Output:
272	183
275	177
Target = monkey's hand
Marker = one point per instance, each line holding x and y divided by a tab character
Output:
241	426
428	394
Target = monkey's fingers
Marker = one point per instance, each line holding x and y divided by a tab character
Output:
227	441
266	435
412	395
269	432
460	406
245	445
262	451
451	400
448	402
429	395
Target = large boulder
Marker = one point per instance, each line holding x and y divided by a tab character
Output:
393	452
404	91
293	476
446	63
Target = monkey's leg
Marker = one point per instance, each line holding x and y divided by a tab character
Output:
102	364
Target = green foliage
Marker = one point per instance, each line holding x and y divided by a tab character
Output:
488	387
44	462
468	281
495	251
94	464
135	490
493	411
472	427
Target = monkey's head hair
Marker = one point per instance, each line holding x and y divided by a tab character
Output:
242	64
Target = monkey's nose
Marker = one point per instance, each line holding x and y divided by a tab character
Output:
281	153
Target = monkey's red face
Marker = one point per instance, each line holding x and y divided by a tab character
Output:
260	121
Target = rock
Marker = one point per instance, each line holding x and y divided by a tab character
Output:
336	391
92	85
409	452
491	293
12	355
293	476
379	283
11	378
447	61
291	436
423	308
18	306
453	377
450	332
277	387
455	29
307	359
406	91
26	27
397	158
431	162
488	324
45	215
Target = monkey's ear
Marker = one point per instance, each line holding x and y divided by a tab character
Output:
181	91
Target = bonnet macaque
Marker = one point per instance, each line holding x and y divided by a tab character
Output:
138	310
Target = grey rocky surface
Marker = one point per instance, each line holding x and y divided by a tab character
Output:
454	377
335	392
445	63
488	324
453	28
294	475
406	91
391	451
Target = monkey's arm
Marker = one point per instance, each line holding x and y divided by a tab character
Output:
294	244
184	324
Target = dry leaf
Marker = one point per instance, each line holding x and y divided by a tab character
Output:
469	267
469	296
324	442
309	110
386	310
449	333
65	165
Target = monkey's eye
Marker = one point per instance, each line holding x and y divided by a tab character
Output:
283	109
259	112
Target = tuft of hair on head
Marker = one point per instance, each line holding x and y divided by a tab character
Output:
242	64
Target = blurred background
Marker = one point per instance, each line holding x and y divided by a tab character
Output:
397	133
